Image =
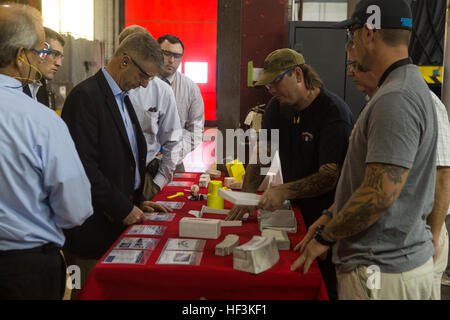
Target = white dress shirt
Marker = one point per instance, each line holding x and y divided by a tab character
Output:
190	110
156	110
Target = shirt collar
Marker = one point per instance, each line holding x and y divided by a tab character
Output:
10	82
36	85
172	77
113	85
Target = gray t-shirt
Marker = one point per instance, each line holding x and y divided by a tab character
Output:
397	127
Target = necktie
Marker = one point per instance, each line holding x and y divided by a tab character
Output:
132	138
166	81
27	91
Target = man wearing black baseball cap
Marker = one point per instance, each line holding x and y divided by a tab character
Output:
381	14
382	245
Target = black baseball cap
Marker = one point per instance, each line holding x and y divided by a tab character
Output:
392	14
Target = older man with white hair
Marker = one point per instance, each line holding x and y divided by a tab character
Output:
44	186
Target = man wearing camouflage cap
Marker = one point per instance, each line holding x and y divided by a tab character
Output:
314	126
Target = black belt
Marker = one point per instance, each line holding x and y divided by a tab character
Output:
46	248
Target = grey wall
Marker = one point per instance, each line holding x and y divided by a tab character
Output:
324	49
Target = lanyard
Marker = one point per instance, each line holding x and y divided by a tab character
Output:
394	66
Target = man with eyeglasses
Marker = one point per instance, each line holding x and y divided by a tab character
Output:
314	125
44	186
156	110
112	148
187	94
380	226
366	82
40	90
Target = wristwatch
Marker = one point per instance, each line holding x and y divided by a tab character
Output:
320	239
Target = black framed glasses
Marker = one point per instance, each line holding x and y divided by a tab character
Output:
351	32
278	79
43	53
143	72
169	54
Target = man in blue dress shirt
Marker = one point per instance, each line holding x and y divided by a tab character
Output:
112	148
44	186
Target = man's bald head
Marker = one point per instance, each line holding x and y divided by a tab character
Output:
21	27
130	30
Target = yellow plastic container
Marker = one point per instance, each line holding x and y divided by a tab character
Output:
213	200
214	186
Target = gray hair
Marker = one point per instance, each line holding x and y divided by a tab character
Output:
142	47
18	30
130	30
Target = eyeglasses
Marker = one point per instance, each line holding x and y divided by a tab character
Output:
351	31
169	54
144	75
278	79
56	54
44	52
353	66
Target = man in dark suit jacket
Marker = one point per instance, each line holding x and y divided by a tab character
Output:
112	148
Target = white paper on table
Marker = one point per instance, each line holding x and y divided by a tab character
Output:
127	256
179	244
180	184
148	230
159	216
185	175
137	243
171	204
180	257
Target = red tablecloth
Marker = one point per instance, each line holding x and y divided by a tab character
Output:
214	278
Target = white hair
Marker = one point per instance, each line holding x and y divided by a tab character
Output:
18	30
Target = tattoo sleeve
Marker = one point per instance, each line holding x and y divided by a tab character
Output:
380	189
314	185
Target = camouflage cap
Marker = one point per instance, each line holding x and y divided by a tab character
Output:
278	61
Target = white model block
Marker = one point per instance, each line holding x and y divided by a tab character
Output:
257	255
199	228
278	219
206	209
215	174
204	180
226	247
280	236
231	223
195	213
240	198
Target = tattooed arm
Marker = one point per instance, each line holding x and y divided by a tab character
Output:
381	187
314	185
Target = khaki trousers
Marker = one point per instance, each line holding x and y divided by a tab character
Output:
150	188
441	263
365	284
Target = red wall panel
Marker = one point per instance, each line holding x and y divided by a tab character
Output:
194	22
264	29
